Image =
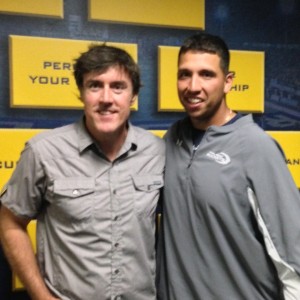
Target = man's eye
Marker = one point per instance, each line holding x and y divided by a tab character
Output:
182	75
207	74
119	86
93	85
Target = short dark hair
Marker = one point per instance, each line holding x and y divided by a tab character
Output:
205	42
99	58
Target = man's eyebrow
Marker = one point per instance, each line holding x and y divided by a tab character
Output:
207	71
93	80
123	82
183	70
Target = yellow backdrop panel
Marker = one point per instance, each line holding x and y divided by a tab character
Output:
173	13
41	71
247	92
44	8
246	95
290	143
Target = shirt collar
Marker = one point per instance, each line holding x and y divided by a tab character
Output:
85	140
130	141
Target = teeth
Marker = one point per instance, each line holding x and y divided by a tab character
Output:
106	112
194	100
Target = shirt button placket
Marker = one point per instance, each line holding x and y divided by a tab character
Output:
116	271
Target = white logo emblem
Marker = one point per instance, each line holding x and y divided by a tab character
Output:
221	158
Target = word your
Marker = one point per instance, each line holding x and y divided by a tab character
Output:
49	80
53	80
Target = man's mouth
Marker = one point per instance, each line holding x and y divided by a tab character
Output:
194	100
106	112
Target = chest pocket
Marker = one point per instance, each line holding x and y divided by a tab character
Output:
147	189
73	199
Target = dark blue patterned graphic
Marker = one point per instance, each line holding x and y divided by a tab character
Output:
269	26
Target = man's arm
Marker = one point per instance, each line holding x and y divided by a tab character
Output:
19	252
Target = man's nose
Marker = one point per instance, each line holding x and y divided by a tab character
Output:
106	95
194	84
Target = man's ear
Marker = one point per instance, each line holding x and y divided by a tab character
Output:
228	82
133	99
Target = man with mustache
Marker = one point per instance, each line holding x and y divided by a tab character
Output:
93	187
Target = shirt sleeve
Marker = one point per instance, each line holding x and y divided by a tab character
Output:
23	192
275	201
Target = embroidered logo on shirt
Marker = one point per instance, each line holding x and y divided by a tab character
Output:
221	158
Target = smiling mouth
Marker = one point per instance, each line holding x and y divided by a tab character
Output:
194	100
105	112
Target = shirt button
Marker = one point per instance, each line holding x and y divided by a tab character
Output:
116	218
117	271
75	192
116	245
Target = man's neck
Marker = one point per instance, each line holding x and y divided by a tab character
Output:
111	144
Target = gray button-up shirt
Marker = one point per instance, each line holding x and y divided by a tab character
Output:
96	218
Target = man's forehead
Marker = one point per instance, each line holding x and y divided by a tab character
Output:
195	59
116	73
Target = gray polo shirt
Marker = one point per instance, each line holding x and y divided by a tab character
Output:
96	219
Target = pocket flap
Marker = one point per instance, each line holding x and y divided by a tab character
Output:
148	183
74	187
